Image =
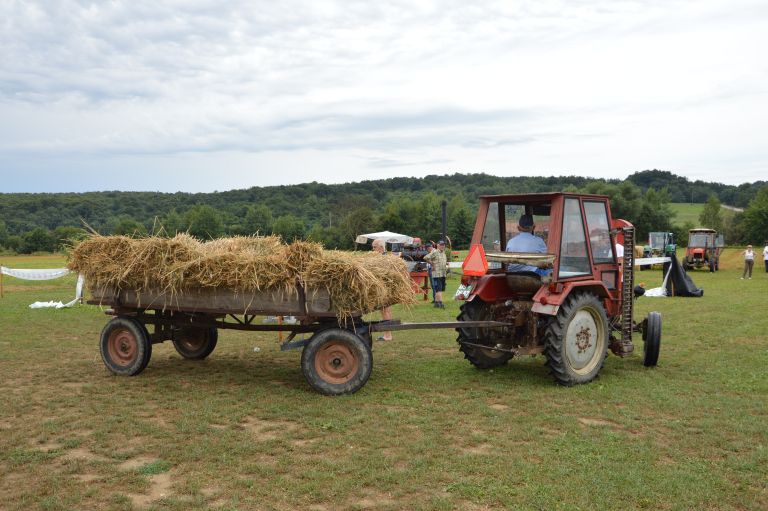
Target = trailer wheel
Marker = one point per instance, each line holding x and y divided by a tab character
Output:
478	310
651	339
195	343
336	362
125	346
576	340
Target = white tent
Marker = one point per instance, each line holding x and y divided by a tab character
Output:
388	237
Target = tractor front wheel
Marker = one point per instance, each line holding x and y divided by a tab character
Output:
576	340
478	310
652	339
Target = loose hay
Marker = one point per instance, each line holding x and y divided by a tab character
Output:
356	283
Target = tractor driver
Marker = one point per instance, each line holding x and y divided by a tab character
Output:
526	241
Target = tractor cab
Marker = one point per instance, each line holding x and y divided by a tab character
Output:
580	251
566	292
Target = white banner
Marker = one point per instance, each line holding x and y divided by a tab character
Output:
51	274
48	274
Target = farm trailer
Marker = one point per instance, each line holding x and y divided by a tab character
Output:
336	358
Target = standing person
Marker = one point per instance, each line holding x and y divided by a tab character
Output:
386	312
430	249
439	262
765	256
749	262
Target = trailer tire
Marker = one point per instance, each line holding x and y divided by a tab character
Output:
195	343
478	310
336	361
574	353
125	346
652	339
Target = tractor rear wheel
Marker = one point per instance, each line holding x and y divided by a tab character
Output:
576	340
652	339
478	310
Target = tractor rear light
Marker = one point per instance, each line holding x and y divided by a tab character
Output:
555	287
463	292
544	300
465	280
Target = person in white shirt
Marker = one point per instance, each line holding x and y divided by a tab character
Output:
749	262
765	256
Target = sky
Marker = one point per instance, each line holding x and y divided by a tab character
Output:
200	96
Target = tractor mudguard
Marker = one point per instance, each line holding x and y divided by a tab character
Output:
492	288
549	298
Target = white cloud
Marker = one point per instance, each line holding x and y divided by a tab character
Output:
254	91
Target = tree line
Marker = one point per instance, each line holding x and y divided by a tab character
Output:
335	214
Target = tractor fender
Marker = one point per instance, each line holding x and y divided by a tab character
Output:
492	288
549	298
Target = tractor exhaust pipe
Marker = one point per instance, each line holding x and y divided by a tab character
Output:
444	206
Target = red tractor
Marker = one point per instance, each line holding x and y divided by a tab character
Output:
572	303
704	247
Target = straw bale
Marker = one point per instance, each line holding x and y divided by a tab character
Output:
355	282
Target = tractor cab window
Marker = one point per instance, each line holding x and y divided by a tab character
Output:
700	240
573	248
491	231
599	232
720	241
540	214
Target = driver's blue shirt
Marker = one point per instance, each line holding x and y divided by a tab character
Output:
527	242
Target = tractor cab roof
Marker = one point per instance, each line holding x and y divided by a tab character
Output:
536	198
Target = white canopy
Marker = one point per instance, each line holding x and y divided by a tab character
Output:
388	237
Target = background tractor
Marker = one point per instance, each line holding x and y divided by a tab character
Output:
575	306
660	244
704	247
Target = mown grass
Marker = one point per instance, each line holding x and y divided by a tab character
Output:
242	430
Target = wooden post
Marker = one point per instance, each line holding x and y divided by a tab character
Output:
1	282
280	332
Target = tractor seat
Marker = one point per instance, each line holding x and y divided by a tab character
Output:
524	281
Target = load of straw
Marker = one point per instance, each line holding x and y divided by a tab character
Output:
355	283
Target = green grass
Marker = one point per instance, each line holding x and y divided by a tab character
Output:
242	430
686	212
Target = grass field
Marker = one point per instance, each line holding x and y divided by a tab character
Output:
685	212
242	430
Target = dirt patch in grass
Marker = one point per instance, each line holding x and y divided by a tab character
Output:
374	500
589	421
83	454
498	407
480	449
136	463
265	429
49	446
88	478
160	487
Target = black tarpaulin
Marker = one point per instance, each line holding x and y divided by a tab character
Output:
679	283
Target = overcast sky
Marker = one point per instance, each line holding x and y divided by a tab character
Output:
198	95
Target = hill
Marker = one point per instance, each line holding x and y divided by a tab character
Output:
330	213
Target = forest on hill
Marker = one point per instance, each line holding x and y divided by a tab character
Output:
335	214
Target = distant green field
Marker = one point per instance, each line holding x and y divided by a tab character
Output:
685	212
